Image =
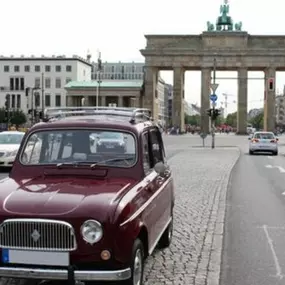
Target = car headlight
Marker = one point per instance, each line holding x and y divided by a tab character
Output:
91	231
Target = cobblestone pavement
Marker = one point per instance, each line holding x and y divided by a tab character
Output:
195	254
201	185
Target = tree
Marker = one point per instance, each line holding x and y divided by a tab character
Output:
18	118
257	121
193	120
231	119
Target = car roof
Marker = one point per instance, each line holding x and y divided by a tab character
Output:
99	122
12	132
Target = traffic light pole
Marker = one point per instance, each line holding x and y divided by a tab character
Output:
213	109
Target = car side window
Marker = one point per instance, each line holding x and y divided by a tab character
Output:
156	147
146	154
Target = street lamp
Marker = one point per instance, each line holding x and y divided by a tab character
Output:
99	68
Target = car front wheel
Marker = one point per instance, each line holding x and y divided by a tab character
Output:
137	264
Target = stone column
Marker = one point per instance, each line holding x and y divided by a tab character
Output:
242	102
103	101
205	99
150	92
120	101
69	101
178	98
269	101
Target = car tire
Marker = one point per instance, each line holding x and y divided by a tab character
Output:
250	152
137	264
166	237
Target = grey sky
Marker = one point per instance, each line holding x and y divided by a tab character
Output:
117	28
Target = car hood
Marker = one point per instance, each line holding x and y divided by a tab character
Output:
9	147
71	197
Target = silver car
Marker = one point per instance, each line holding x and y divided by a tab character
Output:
263	142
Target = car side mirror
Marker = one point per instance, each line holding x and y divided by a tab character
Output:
160	169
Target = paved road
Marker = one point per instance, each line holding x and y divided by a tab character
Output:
254	242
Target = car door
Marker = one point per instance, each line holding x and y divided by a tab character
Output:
162	196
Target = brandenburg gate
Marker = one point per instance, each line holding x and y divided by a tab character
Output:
231	49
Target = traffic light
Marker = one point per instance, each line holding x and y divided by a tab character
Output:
217	113
271	84
7	102
209	112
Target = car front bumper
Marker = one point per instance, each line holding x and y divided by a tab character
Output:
7	161
65	274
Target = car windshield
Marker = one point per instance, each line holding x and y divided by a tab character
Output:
264	136
9	138
79	147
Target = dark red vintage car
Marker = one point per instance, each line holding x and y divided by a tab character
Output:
72	211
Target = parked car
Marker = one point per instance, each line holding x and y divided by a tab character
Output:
111	141
9	144
263	142
73	213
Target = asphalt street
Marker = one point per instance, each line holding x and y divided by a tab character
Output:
252	250
254	239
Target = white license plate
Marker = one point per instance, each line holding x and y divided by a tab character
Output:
109	146
35	257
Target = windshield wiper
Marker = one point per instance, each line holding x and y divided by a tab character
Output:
73	163
115	159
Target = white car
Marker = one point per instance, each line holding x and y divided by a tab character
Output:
9	144
263	142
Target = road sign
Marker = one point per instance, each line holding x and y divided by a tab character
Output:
203	135
214	87
213	97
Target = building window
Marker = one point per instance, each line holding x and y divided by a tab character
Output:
18	101
37	68
13	104
37	82
6	68
47	100
68	68
57	100
16	68
22	83
57	83
27	68
17	83
58	68
47	82
47	68
68	79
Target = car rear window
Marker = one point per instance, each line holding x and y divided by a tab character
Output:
264	136
80	146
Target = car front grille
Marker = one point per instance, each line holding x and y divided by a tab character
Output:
37	234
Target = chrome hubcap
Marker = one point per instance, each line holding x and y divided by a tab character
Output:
137	268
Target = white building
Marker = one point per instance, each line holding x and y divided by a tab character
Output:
119	70
48	74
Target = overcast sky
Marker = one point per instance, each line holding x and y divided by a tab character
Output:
117	28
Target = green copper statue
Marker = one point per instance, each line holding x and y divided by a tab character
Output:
224	21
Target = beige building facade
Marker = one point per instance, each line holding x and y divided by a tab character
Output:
111	93
232	51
